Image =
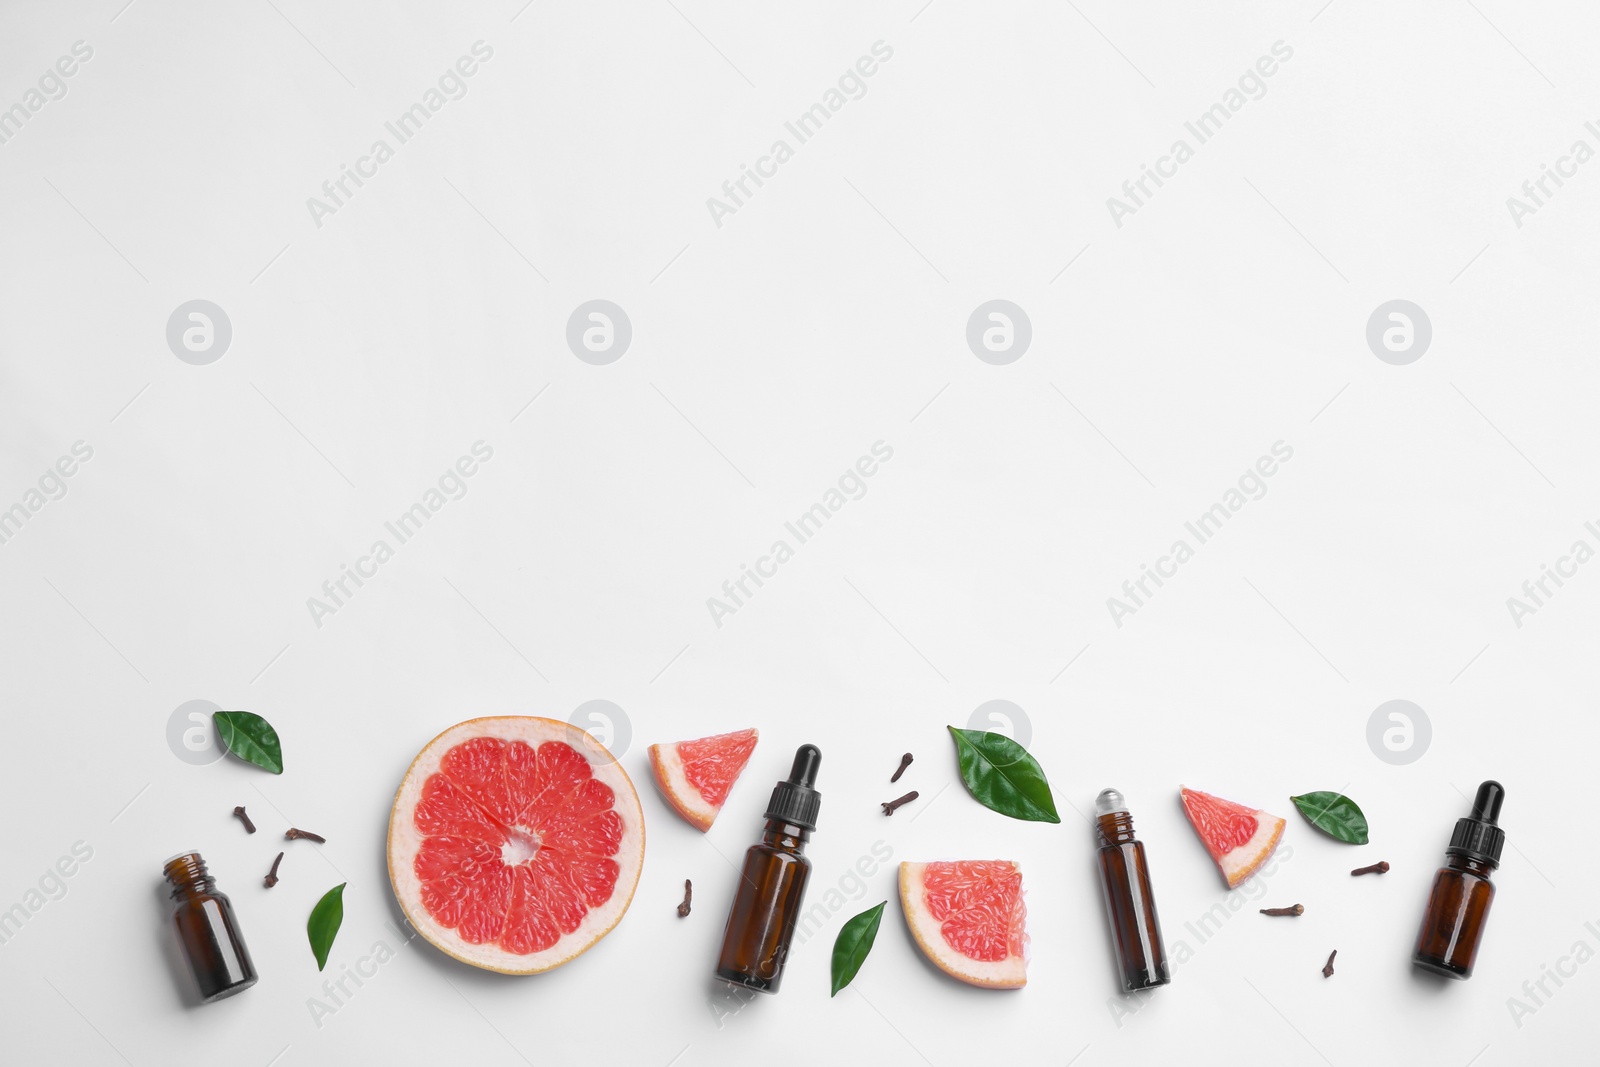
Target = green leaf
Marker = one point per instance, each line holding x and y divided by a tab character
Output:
250	737
1335	815
1001	776
850	948
323	926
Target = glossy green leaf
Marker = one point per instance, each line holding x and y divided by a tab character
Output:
1001	776
1334	814
850	948
323	926
251	738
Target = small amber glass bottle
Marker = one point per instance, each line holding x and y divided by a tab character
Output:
1130	905
1458	904
772	886
207	930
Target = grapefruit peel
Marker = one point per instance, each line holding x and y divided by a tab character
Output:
521	869
1240	839
969	919
695	777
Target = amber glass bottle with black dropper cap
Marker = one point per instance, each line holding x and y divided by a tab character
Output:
772	886
1459	903
207	930
1130	905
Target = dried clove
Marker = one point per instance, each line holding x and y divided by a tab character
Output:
249	827
272	875
1381	867
688	895
1327	968
889	806
294	835
905	761
1298	909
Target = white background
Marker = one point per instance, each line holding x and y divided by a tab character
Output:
768	354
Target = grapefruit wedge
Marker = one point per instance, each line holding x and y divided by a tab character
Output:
510	848
1239	838
696	776
968	918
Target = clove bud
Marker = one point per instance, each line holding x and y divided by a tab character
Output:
905	761
889	806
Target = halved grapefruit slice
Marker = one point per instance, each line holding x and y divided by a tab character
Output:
512	850
1239	838
696	776
968	918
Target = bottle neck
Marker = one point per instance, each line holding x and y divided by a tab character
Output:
1471	864
785	836
188	876
1114	828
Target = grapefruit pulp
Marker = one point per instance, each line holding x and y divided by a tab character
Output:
1239	838
515	843
695	777
968	918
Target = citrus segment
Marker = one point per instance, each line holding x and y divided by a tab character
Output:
969	919
696	776
1238	838
508	849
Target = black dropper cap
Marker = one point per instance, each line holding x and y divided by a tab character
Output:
795	801
1478	836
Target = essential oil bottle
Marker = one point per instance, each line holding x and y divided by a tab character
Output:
772	886
1459	903
1130	905
207	930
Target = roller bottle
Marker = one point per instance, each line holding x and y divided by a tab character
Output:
207	931
1458	904
772	885
1130	904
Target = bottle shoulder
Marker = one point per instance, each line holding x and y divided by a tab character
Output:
780	852
1467	867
